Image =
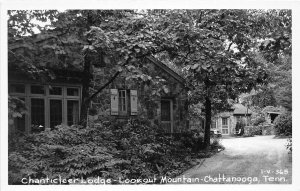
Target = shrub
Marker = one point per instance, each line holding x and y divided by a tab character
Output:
289	145
240	125
250	131
258	120
66	151
283	124
128	149
216	144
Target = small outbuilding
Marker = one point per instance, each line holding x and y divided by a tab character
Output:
226	121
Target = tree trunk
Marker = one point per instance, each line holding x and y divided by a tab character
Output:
207	113
86	80
208	121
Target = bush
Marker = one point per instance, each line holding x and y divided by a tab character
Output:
216	144
240	125
67	151
128	149
283	124
289	145
258	120
258	117
250	131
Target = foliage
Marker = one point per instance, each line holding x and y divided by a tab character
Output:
129	149
283	124
81	40
282	82
216	144
265	97
20	21
258	120
250	131
275	50
272	109
257	117
16	108
218	62
289	145
279	33
216	48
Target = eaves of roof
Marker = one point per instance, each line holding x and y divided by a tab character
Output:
166	69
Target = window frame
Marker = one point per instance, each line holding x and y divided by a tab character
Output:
71	96
47	97
17	93
125	98
55	95
66	109
42	94
30	116
62	108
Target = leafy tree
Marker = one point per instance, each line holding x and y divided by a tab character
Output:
283	124
215	47
260	98
275	50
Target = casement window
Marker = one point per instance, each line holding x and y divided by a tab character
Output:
73	111
48	105
123	102
37	114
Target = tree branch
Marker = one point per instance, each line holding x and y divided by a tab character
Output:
229	46
118	73
104	86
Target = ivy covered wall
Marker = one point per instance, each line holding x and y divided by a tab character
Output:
149	96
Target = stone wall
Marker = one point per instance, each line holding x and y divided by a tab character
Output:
148	103
232	121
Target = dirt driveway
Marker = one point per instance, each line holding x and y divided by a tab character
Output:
252	160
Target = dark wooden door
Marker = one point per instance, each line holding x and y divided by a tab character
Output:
166	115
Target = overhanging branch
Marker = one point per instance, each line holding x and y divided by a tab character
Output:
103	87
117	74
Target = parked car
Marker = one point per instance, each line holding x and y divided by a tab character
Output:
215	133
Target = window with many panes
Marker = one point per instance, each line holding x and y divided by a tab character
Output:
48	105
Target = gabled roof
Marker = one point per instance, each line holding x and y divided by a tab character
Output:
240	109
166	69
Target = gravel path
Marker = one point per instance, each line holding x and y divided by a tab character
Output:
252	160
